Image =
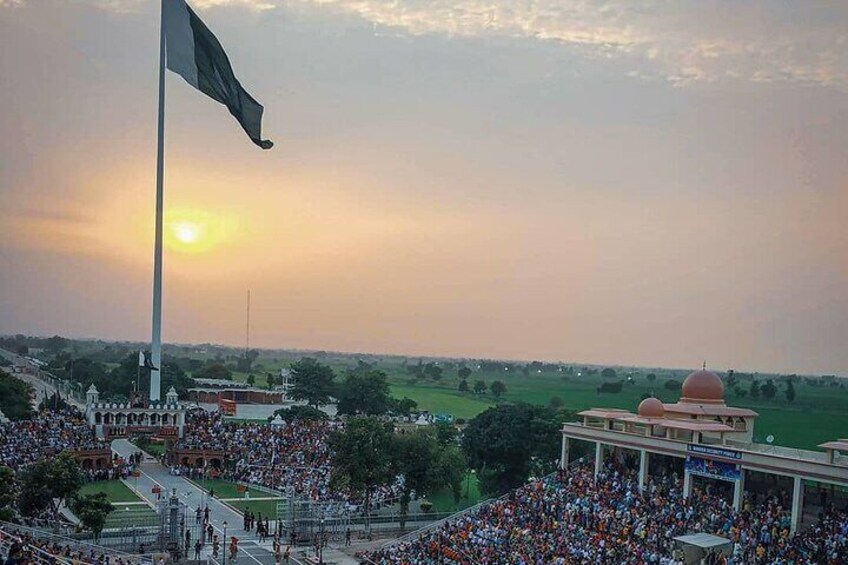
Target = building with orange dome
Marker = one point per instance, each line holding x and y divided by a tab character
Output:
708	442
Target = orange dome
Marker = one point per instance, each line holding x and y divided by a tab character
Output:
651	408
703	387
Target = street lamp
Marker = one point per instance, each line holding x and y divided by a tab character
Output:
225	542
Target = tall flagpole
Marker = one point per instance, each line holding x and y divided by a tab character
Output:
156	346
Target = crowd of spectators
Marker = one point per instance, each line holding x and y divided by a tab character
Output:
570	518
26	441
22	548
293	458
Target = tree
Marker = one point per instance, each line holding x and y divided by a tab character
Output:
251	380
414	456
312	381
768	390
55	344
173	375
47	484
497	388
651	377
730	380
556	402
463	385
464	372
428	459
404	406
364	458
790	391
613	388
754	391
609	373
433	371
244	363
501	442
364	392
92	510
15	397
480	387
445	433
300	412
672	384
217	371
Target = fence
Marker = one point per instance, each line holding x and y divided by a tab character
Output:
138	530
10	533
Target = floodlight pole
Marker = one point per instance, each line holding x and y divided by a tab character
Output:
156	345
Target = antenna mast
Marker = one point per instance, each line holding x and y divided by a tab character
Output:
247	332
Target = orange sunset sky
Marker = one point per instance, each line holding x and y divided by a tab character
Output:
605	181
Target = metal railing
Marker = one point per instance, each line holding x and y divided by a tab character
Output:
9	531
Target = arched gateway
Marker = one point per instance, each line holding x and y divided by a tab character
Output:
115	420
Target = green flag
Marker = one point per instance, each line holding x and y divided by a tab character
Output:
195	54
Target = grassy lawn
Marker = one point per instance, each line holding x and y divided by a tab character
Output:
136	515
227	489
265	507
116	491
442	400
443	499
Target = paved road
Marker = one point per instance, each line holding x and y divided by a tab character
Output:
153	473
42	389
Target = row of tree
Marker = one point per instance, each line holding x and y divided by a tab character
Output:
363	390
497	388
767	390
368	454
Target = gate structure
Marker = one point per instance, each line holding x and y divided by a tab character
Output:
311	520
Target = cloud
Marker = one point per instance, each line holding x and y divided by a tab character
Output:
682	41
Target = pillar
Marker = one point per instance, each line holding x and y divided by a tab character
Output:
797	504
643	470
687	484
739	491
563	458
599	458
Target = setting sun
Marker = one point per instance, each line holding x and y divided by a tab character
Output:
196	231
186	233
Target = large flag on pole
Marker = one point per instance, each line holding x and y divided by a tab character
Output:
195	54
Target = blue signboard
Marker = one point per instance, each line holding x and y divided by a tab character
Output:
714	451
713	469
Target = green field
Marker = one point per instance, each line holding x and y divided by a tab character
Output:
136	515
116	491
441	400
818	414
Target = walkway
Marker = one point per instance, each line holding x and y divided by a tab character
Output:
153	473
